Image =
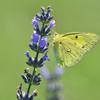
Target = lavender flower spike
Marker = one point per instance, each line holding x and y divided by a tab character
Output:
42	24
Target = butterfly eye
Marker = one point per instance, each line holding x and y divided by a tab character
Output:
76	36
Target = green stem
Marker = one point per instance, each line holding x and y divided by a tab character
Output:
28	90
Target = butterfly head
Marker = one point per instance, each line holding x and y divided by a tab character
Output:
56	37
55	33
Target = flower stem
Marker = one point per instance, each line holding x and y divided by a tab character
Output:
36	59
29	86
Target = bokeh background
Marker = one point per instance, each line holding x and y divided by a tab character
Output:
82	81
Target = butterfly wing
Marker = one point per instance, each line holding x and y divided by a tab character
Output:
70	47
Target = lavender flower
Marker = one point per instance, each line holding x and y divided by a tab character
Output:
42	24
35	21
27	54
30	59
41	61
35	38
43	42
52	24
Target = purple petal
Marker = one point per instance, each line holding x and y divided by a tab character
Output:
35	38
52	23
27	54
34	21
45	57
43	42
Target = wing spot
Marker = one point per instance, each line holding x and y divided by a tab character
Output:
76	36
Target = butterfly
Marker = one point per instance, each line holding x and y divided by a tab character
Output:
70	47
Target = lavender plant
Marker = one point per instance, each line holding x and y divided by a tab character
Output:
53	85
43	23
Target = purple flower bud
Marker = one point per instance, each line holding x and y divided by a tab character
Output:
52	24
35	21
30	59
24	78
27	54
59	70
45	57
35	37
43	42
37	79
20	94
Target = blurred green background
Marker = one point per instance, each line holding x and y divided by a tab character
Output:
81	82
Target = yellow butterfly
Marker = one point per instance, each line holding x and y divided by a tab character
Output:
70	47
